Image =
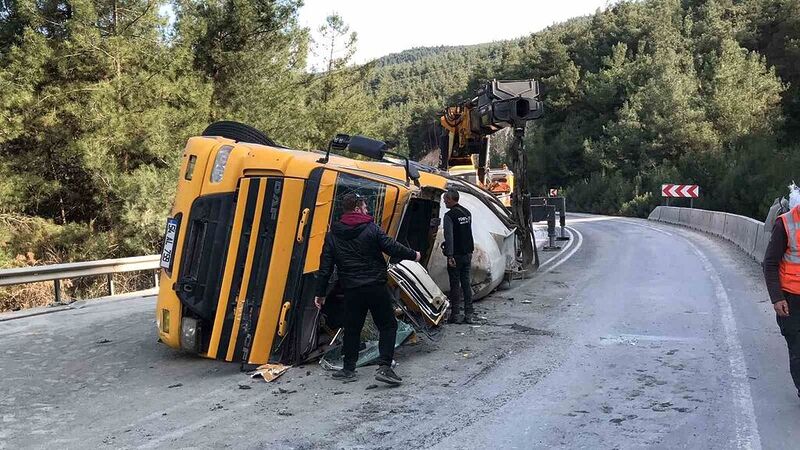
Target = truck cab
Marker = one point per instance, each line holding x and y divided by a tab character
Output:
245	235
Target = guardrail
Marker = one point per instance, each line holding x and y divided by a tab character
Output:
748	234
58	272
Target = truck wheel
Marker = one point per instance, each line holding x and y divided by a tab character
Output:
238	132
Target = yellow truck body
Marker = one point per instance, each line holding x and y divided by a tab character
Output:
244	238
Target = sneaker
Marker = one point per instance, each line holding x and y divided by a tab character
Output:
344	374
387	375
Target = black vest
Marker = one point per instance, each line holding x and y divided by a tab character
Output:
462	230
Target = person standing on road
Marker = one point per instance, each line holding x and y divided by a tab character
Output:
355	245
458	248
782	275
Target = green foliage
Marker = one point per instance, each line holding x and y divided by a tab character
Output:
48	243
640	206
337	99
643	93
599	194
97	98
144	198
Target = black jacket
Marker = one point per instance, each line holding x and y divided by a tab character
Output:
357	252
772	260
458	232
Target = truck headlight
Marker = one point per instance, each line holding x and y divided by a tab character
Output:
162	321
220	162
190	336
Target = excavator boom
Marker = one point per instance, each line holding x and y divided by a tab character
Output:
467	128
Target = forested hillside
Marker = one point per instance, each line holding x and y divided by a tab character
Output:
97	98
641	94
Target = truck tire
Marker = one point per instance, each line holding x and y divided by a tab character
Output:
239	132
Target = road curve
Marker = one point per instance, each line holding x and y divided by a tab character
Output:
635	334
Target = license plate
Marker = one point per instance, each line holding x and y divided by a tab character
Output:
168	251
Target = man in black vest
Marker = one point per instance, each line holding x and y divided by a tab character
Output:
458	247
355	245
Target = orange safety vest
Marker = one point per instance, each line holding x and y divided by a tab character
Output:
790	264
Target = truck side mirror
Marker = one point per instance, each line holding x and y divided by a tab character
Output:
371	148
413	172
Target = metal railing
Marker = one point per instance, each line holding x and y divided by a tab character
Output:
58	272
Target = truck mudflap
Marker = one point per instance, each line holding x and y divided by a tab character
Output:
419	294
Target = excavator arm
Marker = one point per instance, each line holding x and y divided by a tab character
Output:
468	127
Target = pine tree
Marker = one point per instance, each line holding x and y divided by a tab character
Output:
337	100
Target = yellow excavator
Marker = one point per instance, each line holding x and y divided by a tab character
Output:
465	144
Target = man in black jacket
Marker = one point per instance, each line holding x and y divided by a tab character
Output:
458	248
355	245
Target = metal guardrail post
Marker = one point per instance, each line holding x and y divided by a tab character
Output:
544	208
57	289
551	229
110	278
562	213
560	204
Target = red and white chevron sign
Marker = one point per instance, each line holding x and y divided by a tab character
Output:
680	190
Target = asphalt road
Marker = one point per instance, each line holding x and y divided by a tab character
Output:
635	335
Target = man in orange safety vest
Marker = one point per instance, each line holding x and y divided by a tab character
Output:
782	275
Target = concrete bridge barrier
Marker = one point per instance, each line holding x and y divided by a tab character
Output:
748	234
666	214
717	226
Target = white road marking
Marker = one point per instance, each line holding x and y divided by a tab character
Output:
555	257
657	230
592	219
747	436
562	259
624	338
746	425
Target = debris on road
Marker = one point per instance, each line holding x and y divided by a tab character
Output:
281	390
244	386
372	386
104	341
175	385
269	372
333	358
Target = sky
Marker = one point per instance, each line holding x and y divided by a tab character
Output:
385	27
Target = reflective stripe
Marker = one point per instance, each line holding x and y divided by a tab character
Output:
789	270
791	222
791	259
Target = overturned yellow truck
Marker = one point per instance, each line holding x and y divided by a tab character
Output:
243	241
